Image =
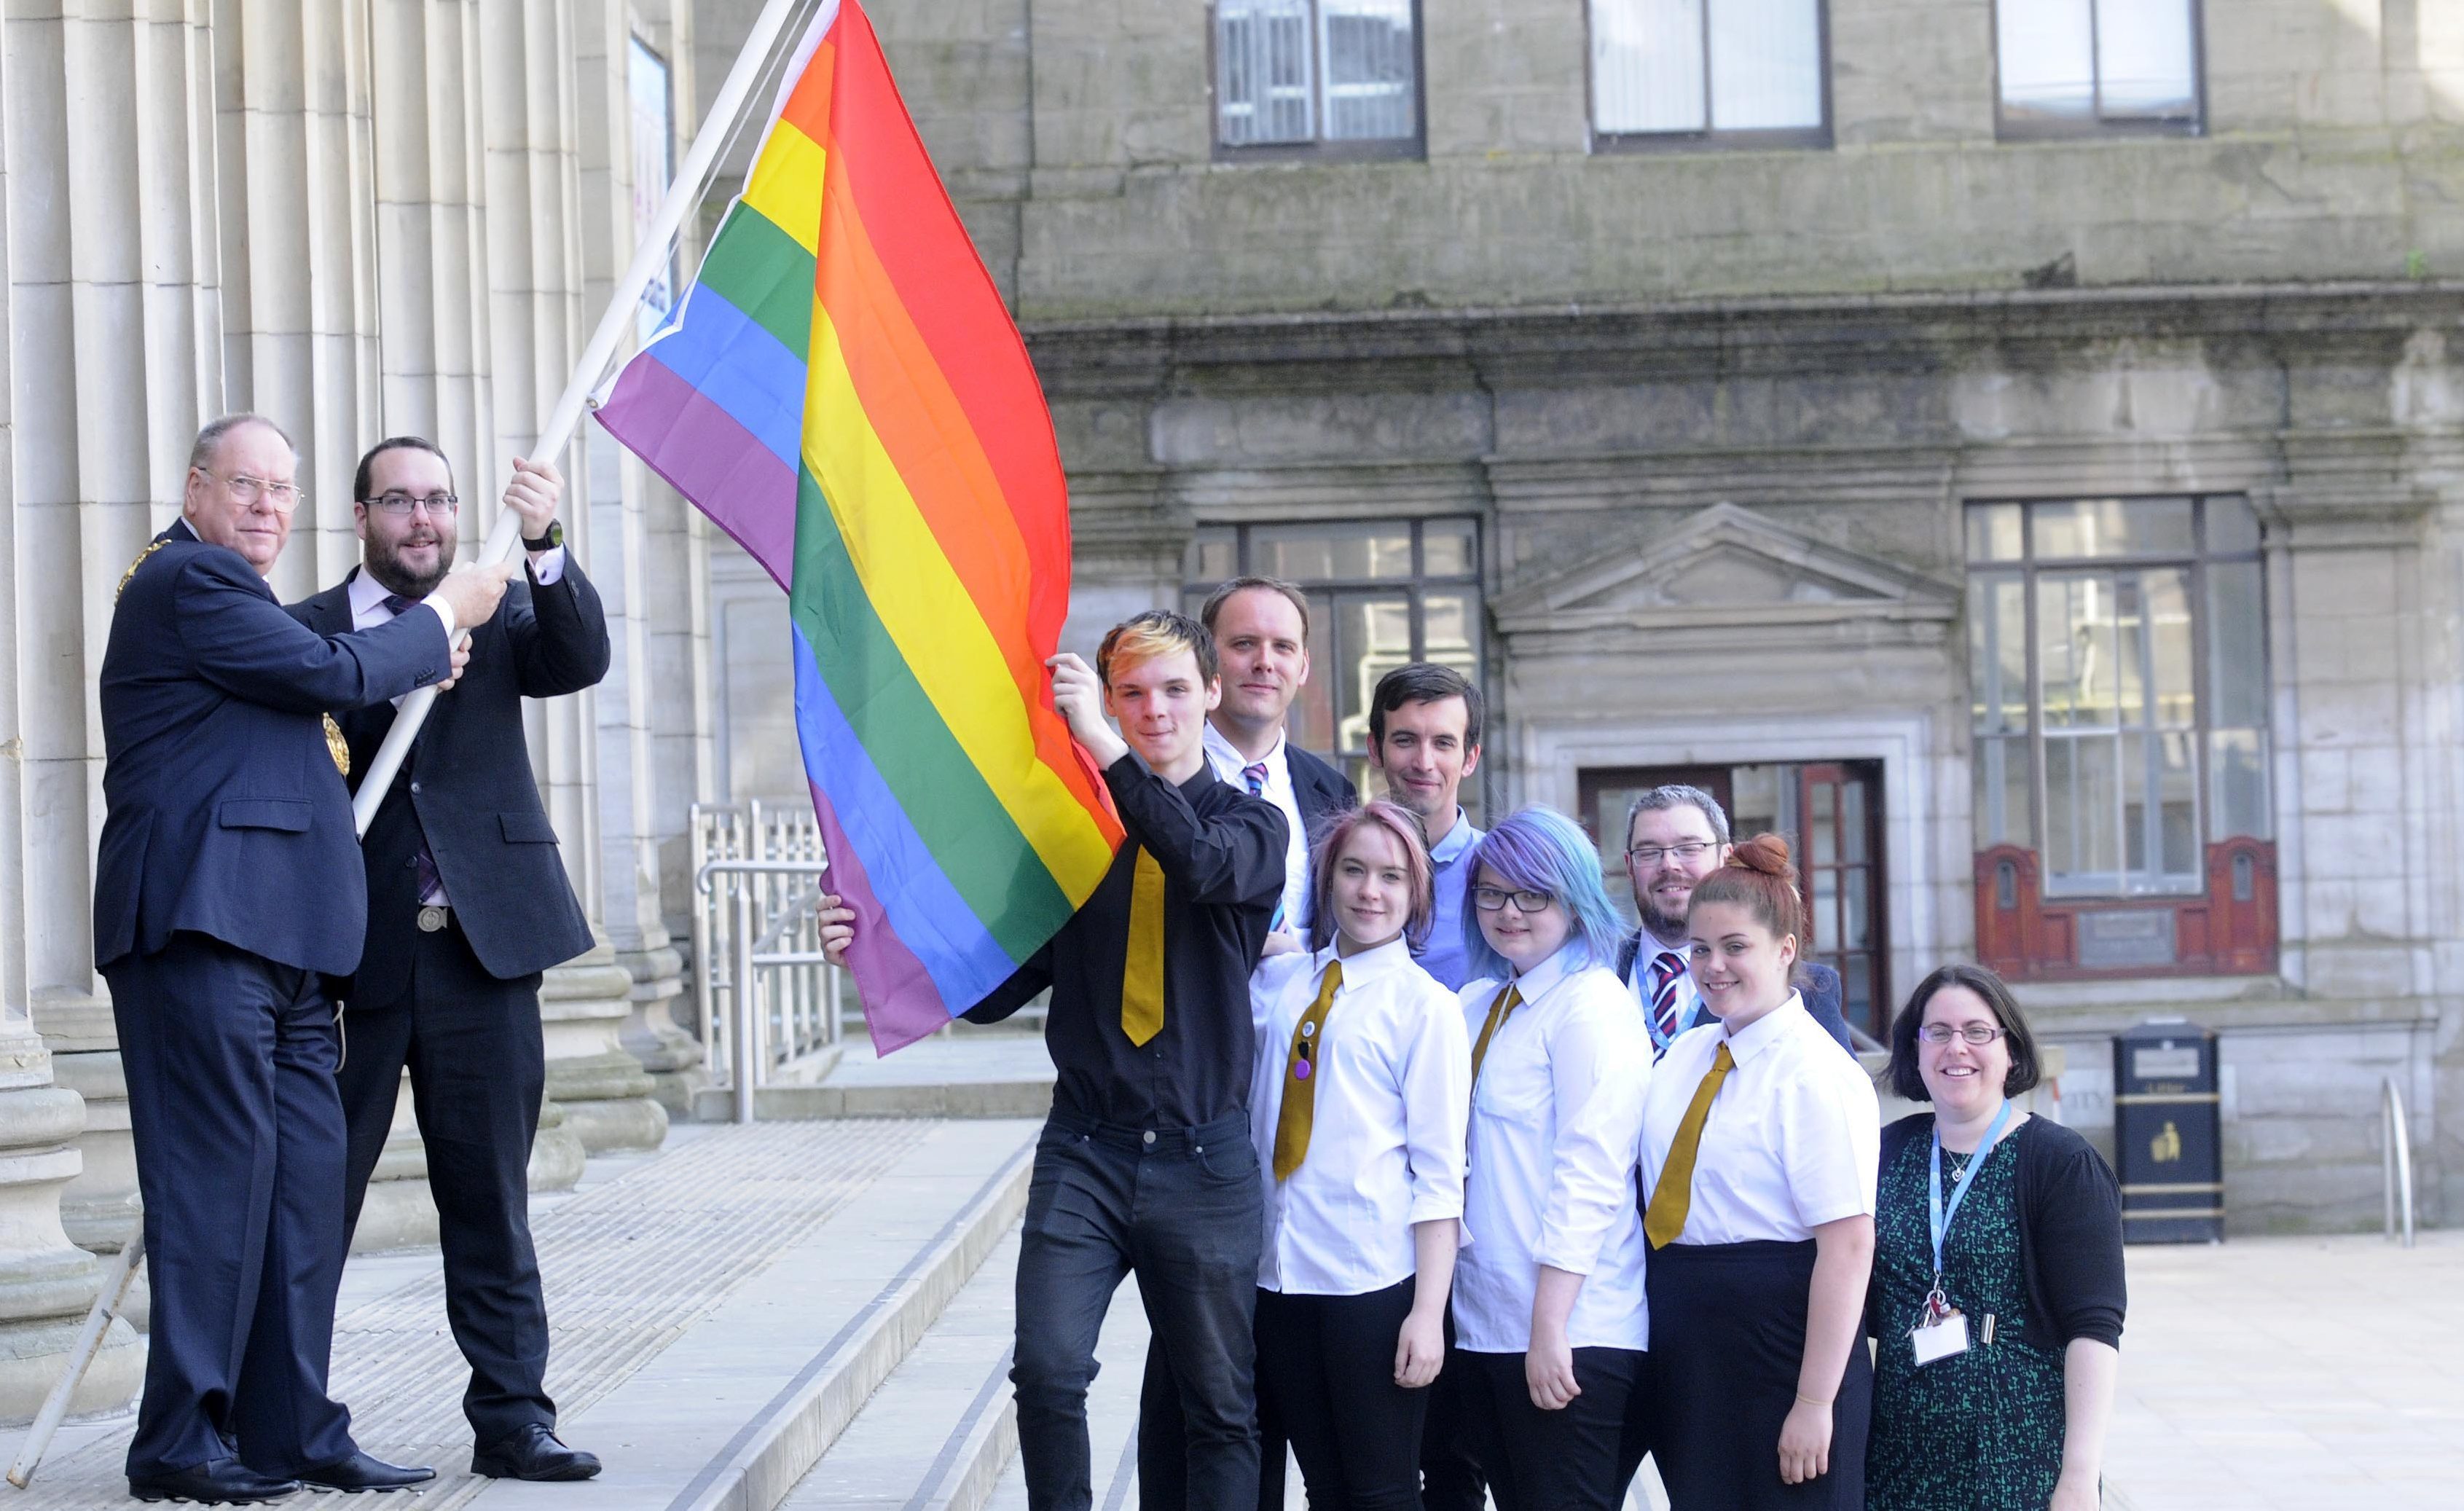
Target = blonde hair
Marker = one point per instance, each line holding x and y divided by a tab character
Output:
1141	638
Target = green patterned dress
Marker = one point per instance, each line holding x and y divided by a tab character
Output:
1981	1430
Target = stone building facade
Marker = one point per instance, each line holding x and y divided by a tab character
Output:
2013	445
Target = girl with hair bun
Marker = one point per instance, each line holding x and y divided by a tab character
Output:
1755	1155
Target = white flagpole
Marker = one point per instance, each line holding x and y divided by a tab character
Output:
683	195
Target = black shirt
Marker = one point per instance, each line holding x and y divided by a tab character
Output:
1221	853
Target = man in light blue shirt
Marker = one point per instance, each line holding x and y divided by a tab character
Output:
1425	737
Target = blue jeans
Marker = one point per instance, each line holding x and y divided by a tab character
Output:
1180	1207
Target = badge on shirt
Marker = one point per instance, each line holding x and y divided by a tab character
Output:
1941	1330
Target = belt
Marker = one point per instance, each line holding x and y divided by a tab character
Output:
433	916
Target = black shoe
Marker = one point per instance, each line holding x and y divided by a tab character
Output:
360	1472
217	1481
533	1453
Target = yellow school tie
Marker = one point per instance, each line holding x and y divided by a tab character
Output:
1301	1065
1142	971
1665	1217
1499	1011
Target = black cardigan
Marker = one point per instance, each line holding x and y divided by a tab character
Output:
2070	1230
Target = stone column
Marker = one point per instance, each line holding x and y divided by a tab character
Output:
534	155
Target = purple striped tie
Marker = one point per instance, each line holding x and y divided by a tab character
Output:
1666	968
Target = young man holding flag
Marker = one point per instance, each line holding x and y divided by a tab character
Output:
1146	1163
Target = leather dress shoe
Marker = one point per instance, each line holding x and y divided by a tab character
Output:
534	1453
360	1472
217	1481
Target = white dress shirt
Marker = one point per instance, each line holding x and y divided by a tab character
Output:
1573	1040
1792	1140
1229	763
1393	1072
368	610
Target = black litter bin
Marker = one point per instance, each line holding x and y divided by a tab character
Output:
2168	1134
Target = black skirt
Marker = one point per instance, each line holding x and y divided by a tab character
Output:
1727	1343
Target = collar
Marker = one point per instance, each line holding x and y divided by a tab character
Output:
1367	965
1536	983
180	531
1229	760
366	594
1766	1030
1458	839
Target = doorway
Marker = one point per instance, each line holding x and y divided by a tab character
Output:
1831	813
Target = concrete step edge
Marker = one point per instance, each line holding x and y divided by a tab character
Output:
989	1442
769	1464
961	1099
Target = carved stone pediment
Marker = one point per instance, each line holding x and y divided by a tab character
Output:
1724	567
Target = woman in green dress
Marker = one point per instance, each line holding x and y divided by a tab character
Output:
1997	1294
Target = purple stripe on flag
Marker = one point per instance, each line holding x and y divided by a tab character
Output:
901	1005
710	457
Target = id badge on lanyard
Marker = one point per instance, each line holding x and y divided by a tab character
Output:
1941	1330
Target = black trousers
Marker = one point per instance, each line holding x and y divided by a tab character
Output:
230	1059
1572	1459
477	1069
1459	1434
1181	1208
1325	1371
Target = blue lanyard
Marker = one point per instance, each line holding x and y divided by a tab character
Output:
1938	1215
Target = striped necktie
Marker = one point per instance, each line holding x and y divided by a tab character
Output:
1142	967
1673	1196
1255	774
1300	1064
1666	967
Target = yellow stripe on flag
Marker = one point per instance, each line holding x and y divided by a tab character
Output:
933	621
785	184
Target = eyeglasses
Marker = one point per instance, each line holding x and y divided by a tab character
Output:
1685	853
1494	899
1978	1034
280	497
439	505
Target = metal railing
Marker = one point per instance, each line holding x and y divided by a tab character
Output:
763	995
2399	1161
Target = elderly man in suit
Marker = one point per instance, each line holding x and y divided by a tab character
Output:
468	904
227	883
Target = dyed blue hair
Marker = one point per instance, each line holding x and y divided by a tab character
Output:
1541	850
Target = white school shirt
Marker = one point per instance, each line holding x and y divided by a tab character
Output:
1574	1039
1393	1071
1792	1140
1228	763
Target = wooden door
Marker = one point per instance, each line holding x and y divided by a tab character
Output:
1839	855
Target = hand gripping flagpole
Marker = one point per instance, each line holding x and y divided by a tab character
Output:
683	195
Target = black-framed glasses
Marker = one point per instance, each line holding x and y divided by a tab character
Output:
1685	852
439	505
280	497
1494	899
1977	1033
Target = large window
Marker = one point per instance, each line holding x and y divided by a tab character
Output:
2117	655
1380	594
2081	67
1709	72
1334	77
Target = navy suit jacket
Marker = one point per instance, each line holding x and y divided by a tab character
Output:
468	790
1321	790
223	812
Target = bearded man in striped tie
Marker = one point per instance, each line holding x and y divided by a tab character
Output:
1145	1163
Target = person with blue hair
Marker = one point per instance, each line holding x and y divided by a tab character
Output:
1549	1309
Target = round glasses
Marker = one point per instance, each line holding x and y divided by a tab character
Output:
1978	1034
280	497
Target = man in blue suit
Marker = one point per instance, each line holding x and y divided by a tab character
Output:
227	882
468	904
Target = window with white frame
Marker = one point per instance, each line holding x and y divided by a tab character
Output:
1747	72
2073	67
1335	75
2118	662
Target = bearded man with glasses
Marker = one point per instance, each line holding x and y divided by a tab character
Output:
1674	836
468	904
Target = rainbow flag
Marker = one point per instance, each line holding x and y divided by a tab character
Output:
845	393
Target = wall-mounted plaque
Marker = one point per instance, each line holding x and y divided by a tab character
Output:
2119	938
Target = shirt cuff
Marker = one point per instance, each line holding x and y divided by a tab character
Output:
445	612
547	566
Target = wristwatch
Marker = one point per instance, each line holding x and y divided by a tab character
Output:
554	538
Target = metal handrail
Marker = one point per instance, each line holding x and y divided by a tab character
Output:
744	1053
2399	1160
